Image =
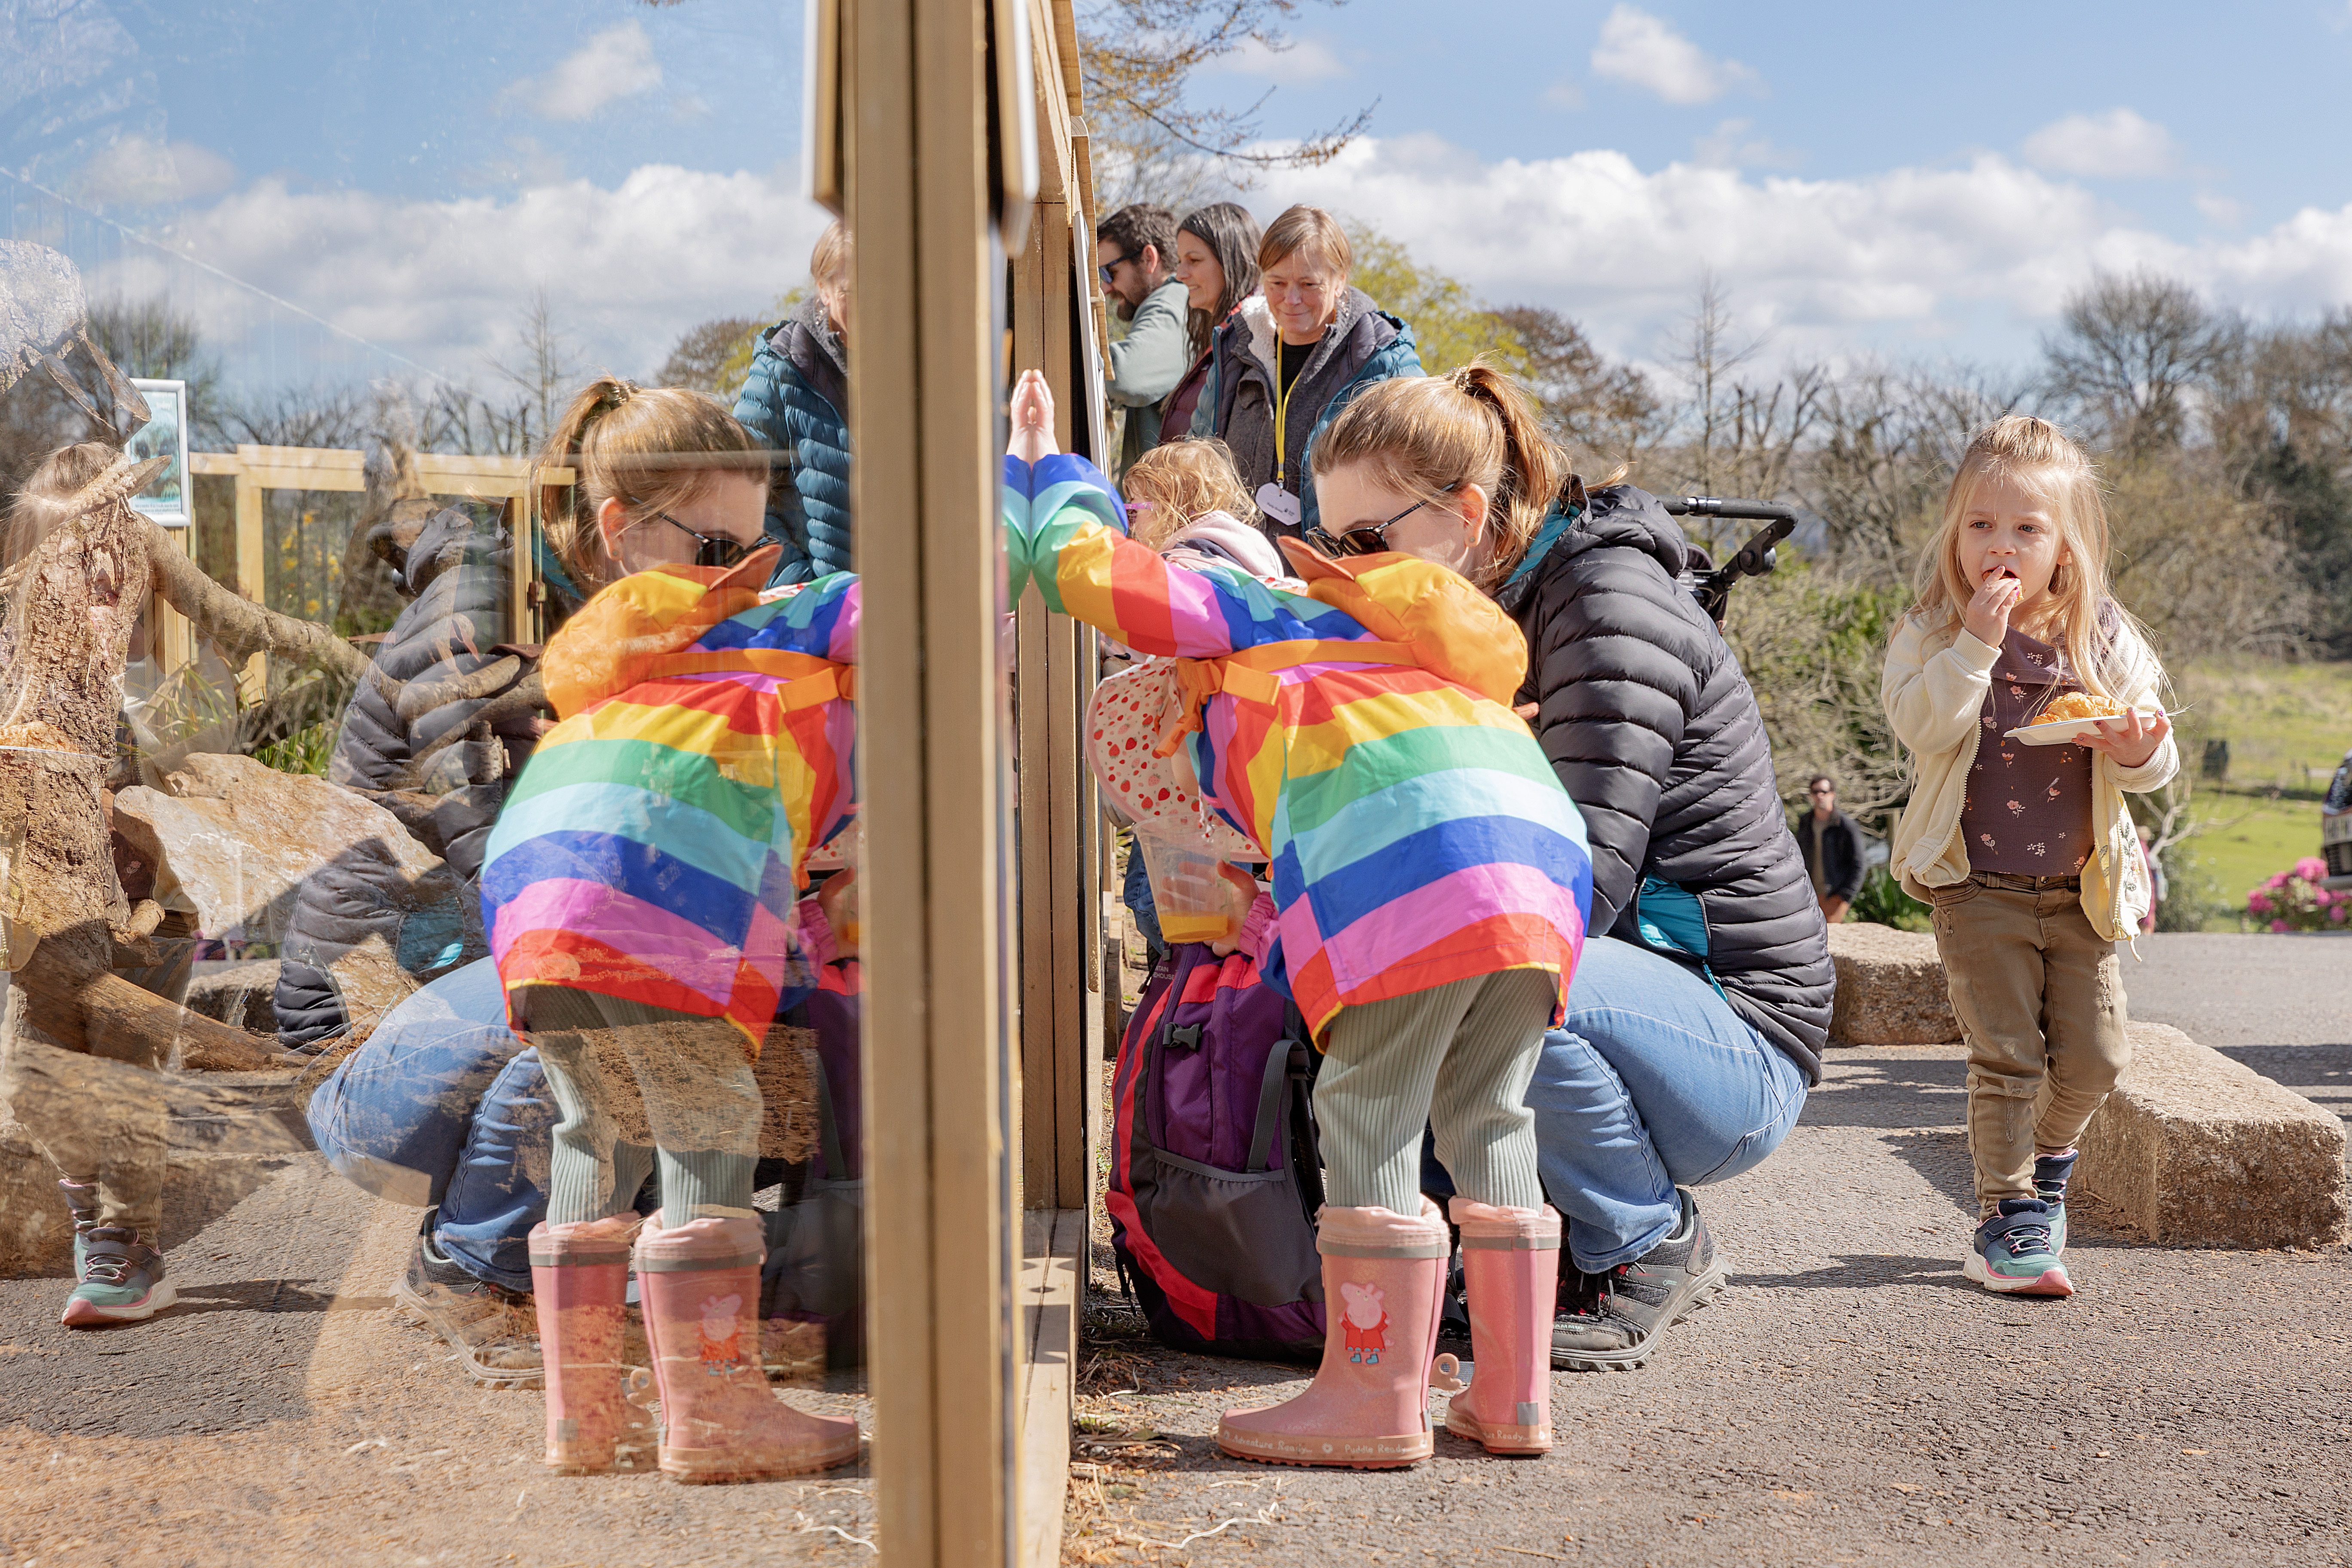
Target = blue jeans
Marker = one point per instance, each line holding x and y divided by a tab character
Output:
443	1105
1652	1082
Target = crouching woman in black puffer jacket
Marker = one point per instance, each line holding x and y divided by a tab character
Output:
1696	1022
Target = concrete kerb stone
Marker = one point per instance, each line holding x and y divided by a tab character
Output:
2195	1149
1890	988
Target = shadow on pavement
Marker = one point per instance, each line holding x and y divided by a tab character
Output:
1892	1092
1862	1271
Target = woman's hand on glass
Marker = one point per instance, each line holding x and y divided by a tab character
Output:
1032	411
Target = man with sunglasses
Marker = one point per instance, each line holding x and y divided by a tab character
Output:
1135	255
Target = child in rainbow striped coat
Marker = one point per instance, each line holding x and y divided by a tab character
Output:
1431	884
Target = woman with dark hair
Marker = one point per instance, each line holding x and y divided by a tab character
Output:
1289	361
1216	260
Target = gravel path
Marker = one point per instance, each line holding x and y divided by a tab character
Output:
1853	1398
1848	1397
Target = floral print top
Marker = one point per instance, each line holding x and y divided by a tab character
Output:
2028	808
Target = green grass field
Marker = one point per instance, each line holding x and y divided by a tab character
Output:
2287	725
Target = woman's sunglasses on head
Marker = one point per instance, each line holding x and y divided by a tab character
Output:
1369	540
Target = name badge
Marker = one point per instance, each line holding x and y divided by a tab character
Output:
1278	504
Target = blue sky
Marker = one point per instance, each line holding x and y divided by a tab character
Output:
1879	180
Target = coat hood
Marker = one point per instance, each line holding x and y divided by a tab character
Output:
1235	538
1619	517
1454	630
646	626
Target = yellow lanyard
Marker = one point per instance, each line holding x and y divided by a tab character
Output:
1281	408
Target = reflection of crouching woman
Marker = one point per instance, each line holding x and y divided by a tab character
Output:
640	893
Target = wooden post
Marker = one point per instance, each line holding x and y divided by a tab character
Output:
922	420
253	681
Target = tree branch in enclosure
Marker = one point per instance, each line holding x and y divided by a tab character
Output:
236	625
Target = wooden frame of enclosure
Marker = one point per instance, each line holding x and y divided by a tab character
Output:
973	1119
259	468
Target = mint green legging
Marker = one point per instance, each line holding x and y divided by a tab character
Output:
1458	1058
702	1104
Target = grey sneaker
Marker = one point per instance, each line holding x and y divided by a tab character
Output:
1611	1321
494	1330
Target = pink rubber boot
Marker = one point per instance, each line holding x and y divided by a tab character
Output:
580	1285
1510	1270
699	1284
1367	1408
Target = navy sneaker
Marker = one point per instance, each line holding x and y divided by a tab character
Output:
2012	1253
2050	1175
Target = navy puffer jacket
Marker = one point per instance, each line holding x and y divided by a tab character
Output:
458	576
796	399
1653	732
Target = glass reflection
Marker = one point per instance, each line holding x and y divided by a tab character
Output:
427	804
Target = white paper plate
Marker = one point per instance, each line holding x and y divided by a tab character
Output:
2059	731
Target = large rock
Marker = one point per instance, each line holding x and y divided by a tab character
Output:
1890	988
235	839
237	994
2195	1149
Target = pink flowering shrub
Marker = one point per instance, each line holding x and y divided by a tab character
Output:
2294	900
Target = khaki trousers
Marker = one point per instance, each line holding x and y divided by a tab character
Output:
2041	1002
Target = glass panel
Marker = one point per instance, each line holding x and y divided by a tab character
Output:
431	970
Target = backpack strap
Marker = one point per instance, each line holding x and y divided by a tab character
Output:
1262	1152
1248	675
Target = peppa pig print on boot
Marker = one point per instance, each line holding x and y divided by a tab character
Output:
1367	1322
722	1335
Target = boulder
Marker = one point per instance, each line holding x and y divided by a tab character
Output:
1890	988
236	993
2195	1149
233	839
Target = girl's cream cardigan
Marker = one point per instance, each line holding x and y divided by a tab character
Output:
1935	688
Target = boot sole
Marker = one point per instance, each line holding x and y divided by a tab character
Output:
2052	1281
704	1467
1339	1453
90	1315
1700	1293
1498	1439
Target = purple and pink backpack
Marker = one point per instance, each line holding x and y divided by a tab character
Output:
1215	1178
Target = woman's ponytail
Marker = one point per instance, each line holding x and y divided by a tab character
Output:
1427	436
653	447
1532	470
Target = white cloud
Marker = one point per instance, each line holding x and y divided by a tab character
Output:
1304	59
1973	259
141	172
1564	94
1733	145
1646	52
2225	211
626	270
615	63
2115	146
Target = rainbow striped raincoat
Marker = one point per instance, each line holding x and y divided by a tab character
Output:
1360	732
656	844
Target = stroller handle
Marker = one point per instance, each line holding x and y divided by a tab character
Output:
1754	559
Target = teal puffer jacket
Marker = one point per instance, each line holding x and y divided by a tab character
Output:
794	400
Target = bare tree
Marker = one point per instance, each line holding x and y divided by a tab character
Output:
1138	58
2129	351
1606	414
706	357
542	366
